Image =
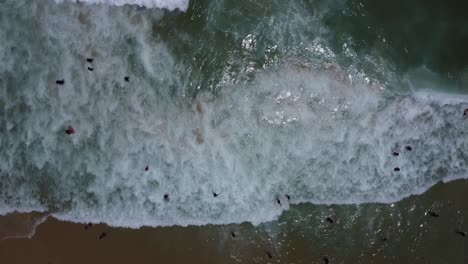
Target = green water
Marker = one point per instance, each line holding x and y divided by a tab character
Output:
389	39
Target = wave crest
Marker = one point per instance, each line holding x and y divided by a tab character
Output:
166	4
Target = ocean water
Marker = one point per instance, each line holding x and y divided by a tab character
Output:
251	100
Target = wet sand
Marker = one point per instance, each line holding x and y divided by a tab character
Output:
371	233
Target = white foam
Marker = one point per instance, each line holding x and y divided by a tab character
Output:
321	136
310	134
167	4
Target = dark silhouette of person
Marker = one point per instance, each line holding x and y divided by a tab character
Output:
432	214
103	235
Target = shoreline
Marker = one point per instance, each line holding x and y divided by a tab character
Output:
300	235
32	214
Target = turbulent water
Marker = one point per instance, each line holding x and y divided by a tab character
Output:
248	99
168	4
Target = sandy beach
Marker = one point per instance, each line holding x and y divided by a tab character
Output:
301	235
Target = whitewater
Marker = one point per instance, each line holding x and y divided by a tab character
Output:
301	123
167	4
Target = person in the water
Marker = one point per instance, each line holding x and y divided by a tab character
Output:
278	201
70	130
465	112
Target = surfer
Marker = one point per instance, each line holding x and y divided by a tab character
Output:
465	112
146	168
166	197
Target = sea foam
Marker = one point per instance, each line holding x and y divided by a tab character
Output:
318	134
311	134
167	4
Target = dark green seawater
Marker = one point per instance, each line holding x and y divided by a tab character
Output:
412	39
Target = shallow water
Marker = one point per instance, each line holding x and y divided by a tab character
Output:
249	99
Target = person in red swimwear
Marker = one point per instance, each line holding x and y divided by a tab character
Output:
70	130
